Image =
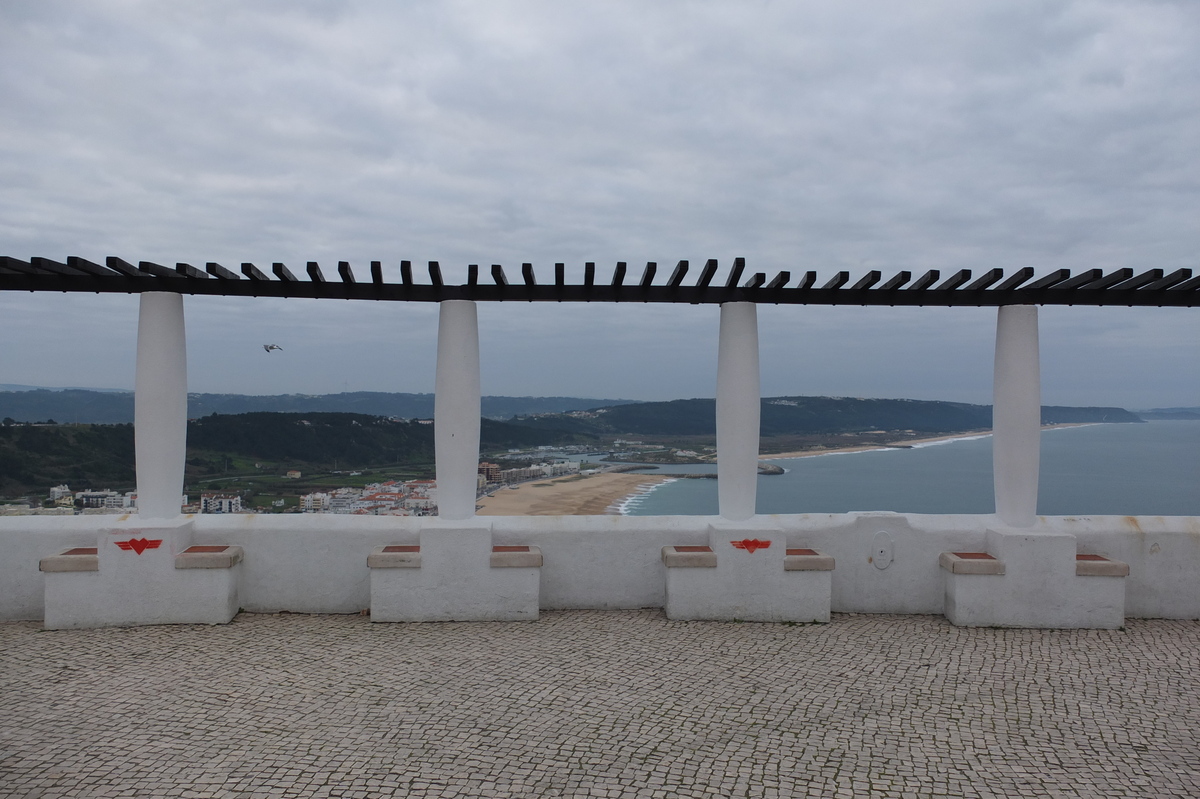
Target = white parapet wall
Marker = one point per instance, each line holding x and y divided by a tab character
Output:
317	563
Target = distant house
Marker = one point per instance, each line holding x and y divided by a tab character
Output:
293	474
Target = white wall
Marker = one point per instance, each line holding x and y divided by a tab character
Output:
316	563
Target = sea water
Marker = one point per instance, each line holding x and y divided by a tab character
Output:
1148	469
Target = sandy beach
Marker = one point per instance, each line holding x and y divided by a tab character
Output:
567	496
601	493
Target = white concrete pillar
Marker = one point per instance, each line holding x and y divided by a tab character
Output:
1016	415
160	405
457	409
737	411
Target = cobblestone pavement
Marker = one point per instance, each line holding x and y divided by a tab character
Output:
599	704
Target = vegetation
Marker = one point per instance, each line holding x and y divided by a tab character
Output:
793	416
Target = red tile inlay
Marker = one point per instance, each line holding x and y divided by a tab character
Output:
510	549
693	549
205	548
973	555
802	552
751	544
139	545
402	548
1090	557
81	551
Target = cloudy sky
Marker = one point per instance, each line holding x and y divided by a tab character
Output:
804	135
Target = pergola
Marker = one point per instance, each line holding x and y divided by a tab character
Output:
1090	287
1041	588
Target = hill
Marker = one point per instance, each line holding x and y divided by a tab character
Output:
805	415
88	406
34	457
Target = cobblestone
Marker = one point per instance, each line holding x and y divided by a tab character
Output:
599	704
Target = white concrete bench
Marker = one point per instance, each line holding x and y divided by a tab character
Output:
747	578
1027	579
142	575
455	575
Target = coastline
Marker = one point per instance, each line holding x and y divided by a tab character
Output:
592	495
905	443
610	493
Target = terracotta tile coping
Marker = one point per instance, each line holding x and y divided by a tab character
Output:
693	549
1090	557
510	549
81	551
402	548
975	556
801	552
203	548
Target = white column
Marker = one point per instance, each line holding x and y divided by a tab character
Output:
160	405
1016	415
457	409
737	411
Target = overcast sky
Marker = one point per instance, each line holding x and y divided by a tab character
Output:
800	135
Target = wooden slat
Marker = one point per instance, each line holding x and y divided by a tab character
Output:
406	273
560	275
345	272
53	267
283	273
925	281
955	280
498	276
756	280
157	270
84	265
1016	278
706	274
780	280
648	275
473	274
435	273
1082	279
314	272
124	267
1052	279
251	271
896	282
867	280
589	273
735	273
1178	276
1111	279
619	274
1145	278
527	274
837	281
990	277
808	280
681	270
187	270
220	272
377	273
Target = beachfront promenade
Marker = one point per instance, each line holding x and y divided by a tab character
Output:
599	704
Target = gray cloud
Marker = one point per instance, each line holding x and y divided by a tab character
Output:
802	136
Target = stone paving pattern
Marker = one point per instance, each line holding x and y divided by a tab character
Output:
599	704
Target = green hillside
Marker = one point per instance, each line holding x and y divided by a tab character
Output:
785	416
102	456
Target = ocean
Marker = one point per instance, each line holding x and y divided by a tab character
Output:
1148	469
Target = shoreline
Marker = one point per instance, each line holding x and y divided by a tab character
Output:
611	493
910	443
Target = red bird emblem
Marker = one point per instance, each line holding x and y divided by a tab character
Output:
139	545
751	544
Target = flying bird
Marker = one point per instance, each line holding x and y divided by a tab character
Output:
269	347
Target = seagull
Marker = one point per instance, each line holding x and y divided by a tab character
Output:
269	347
